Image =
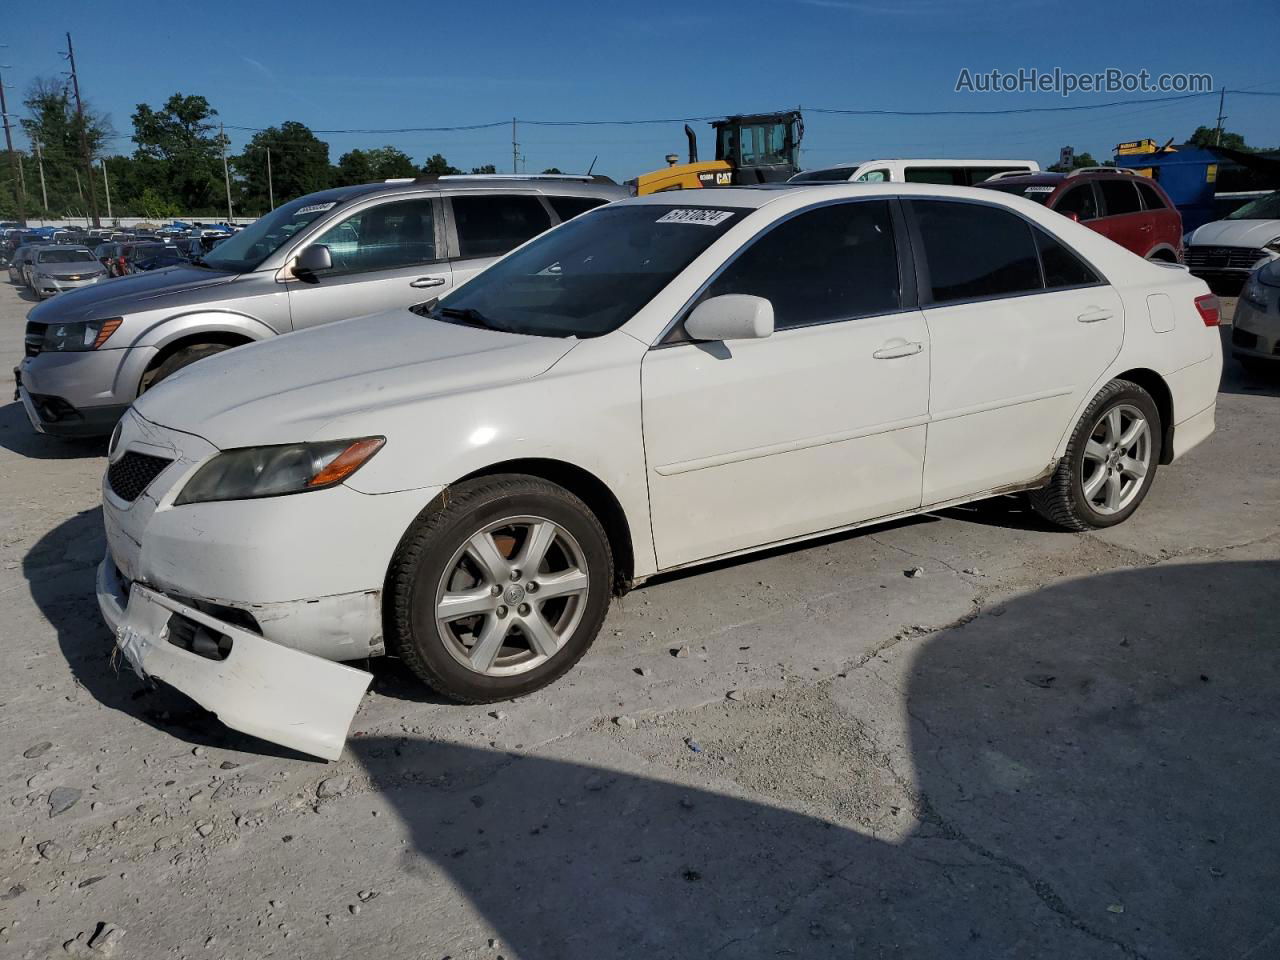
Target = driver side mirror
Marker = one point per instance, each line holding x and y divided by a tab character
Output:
731	316
312	260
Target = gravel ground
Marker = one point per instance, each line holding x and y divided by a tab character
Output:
1048	745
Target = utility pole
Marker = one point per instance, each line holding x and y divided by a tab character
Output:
106	185
226	172
515	149
44	192
271	193
84	137
19	187
1217	133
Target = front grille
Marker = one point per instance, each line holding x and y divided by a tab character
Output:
133	473
34	339
1222	258
1243	338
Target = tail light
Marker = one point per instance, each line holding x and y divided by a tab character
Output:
1207	306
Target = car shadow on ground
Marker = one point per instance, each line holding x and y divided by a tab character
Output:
60	569
1093	774
16	434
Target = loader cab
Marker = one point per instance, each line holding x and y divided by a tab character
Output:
761	148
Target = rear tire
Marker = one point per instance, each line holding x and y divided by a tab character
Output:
533	569
1110	462
183	358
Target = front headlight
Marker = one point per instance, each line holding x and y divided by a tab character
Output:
254	472
82	335
1268	273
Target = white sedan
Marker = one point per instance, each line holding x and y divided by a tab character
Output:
658	383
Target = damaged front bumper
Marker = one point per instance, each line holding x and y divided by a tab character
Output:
253	685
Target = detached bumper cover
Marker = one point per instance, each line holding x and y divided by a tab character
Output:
261	688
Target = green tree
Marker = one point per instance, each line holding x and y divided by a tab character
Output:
180	153
53	128
487	168
370	166
353	167
155	207
436	164
1080	160
299	165
553	170
1208	137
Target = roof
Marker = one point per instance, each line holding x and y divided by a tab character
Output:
752	197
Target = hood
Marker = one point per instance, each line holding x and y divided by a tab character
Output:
1236	233
287	388
125	295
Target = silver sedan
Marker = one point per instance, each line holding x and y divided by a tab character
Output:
56	269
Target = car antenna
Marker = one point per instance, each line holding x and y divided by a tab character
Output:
593	164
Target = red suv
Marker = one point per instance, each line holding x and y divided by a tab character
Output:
1122	206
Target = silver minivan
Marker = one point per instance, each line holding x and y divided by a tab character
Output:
327	256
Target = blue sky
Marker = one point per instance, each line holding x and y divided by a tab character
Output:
381	65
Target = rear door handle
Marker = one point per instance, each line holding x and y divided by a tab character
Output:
1093	316
427	282
898	347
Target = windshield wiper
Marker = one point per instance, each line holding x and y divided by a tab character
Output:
468	315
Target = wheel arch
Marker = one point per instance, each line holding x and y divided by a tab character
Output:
589	488
1163	252
1155	385
230	338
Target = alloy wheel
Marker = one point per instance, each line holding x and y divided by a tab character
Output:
512	596
1117	458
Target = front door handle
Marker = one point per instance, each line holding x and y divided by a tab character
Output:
1093	316
898	347
427	282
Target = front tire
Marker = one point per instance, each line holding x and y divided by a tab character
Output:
499	591
1110	462
183	358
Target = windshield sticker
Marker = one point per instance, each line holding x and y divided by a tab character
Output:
702	217
315	208
1039	190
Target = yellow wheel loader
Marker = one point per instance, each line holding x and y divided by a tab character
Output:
750	148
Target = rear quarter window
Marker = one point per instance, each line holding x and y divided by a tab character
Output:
567	208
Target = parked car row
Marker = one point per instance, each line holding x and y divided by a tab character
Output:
467	467
321	258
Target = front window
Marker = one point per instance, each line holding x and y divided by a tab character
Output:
382	237
591	275
1264	208
64	256
248	248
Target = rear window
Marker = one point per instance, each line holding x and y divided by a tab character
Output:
567	208
1119	197
489	225
1150	196
946	176
975	251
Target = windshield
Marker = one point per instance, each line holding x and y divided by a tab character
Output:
832	175
1264	208
263	237
590	276
63	256
1039	192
